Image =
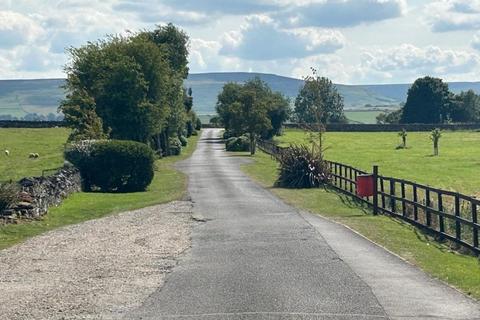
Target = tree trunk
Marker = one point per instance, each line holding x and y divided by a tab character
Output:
253	144
164	142
158	141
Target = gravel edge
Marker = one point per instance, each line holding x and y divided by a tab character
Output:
99	269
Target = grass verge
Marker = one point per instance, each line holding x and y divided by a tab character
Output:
460	271
167	185
455	169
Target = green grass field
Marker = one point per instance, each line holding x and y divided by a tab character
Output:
365	117
456	168
168	185
460	271
48	143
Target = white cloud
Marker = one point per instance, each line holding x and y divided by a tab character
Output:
407	62
262	39
235	7
34	34
203	54
17	29
453	15
154	11
275	36
330	66
340	13
476	41
77	29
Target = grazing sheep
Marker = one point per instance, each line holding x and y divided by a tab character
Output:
31	155
36	155
7	152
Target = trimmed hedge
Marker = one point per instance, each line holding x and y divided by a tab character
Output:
175	146
183	141
241	143
113	165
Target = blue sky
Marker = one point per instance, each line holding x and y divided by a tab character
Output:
349	41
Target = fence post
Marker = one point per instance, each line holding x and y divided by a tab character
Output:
375	190
475	221
458	225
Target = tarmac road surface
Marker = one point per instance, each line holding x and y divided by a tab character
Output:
257	258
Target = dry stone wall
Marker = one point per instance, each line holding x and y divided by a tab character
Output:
39	193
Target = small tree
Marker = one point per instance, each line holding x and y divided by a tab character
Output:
319	96
435	137
80	115
316	134
403	134
252	108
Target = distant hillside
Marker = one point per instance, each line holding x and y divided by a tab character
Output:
206	87
19	97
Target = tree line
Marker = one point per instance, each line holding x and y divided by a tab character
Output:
255	110
430	100
33	117
131	88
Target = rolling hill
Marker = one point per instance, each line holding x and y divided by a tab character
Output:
19	97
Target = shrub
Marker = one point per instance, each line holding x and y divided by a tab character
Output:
227	134
241	143
198	124
8	195
302	168
435	136
194	133
175	146
113	165
78	153
183	141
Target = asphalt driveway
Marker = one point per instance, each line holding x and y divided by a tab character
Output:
257	258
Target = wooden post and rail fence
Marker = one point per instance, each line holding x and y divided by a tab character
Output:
444	214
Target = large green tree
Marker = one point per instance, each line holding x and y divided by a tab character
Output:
465	107
252	108
319	101
174	43
133	84
428	101
128	79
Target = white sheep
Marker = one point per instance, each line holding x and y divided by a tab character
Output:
31	155
7	152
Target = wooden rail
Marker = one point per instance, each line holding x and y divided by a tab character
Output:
445	214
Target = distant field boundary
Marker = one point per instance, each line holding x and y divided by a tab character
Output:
340	127
337	127
31	124
445	214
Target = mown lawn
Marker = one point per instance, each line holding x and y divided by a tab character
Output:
48	143
168	185
460	271
457	167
